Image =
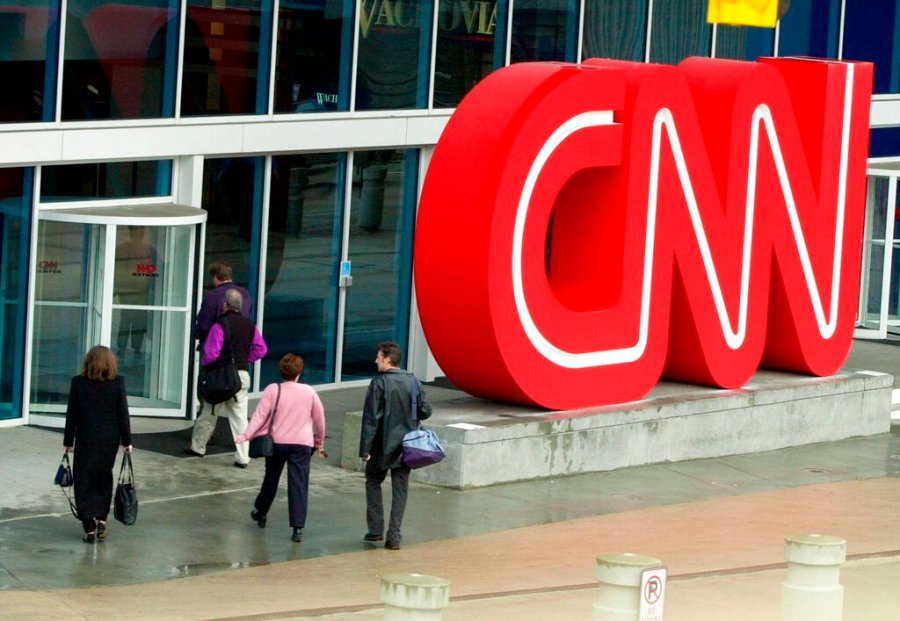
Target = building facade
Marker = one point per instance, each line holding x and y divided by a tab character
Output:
141	140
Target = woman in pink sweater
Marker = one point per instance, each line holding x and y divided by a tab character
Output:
298	430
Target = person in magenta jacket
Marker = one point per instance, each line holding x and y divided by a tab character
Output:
297	431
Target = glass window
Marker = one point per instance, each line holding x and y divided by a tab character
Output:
28	35
544	30
871	33
615	29
232	194
226	57
15	227
315	46
810	28
744	42
119	59
382	213
394	53
302	255
78	182
679	30
471	42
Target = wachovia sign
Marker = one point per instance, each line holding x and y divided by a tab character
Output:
585	230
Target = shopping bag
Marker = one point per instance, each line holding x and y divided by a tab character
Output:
125	501
421	447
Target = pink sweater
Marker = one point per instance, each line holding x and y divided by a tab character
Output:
300	418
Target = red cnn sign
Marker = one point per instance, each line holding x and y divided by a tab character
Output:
585	230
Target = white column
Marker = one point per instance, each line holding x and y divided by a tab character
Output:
619	594
414	597
812	589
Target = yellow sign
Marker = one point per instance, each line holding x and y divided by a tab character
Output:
762	13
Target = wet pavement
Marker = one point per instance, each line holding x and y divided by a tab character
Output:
509	547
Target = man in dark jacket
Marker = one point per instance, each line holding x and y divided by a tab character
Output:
387	417
213	302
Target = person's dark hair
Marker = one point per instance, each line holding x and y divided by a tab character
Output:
220	270
99	364
233	299
290	366
391	351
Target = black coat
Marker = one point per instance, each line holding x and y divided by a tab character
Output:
96	424
387	416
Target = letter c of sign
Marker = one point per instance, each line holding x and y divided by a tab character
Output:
584	230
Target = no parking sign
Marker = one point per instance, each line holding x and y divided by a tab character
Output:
653	594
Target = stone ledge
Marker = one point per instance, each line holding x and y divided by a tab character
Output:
489	443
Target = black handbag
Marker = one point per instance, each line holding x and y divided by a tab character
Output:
64	476
264	445
125	501
221	383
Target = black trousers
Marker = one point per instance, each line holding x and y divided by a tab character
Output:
297	458
374	506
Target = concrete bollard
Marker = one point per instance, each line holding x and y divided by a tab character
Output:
812	589
619	575
414	597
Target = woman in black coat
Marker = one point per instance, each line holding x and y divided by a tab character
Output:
97	423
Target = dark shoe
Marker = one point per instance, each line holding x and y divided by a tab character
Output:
371	537
391	545
297	535
191	452
259	518
101	530
238	464
90	537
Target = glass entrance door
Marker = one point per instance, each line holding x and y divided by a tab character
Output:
879	299
124	282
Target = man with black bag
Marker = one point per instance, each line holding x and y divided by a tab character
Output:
232	338
387	417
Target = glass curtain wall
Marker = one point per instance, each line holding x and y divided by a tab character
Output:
471	42
314	56
29	32
226	57
544	30
232	191
119	59
394	53
615	29
15	234
744	42
78	182
382	214
810	28
303	251
679	30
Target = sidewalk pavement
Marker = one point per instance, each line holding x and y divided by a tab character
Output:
519	551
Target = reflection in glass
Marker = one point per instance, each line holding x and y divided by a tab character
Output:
679	30
305	223
615	29
744	42
232	194
28	35
68	283
810	28
394	50
226	57
545	30
313	57
382	212
76	182
871	33
119	59
15	227
471	42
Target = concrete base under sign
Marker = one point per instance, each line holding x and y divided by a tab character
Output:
489	443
